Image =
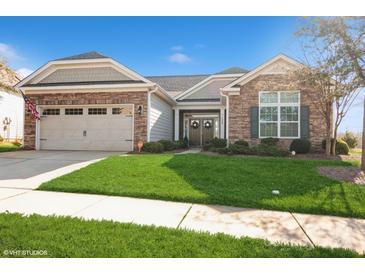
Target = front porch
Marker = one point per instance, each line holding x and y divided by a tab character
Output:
199	125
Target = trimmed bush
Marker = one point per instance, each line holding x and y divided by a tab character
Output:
269	141
179	144
265	150
350	139
218	143
167	145
342	148
241	143
17	143
222	150
153	147
207	147
300	146
238	149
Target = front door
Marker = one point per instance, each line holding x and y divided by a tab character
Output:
194	132
201	131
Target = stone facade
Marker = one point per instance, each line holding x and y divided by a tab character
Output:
137	98
239	108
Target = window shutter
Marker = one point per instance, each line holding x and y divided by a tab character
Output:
304	122
254	122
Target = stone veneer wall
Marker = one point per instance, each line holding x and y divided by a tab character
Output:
239	109
63	99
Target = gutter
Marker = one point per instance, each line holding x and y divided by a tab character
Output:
149	111
227	115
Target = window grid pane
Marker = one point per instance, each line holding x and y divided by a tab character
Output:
97	111
269	97
51	111
73	111
268	114
289	113
269	129
116	111
289	97
289	129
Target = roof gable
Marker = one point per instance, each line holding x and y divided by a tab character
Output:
83	56
280	64
80	71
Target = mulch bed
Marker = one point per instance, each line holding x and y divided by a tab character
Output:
347	174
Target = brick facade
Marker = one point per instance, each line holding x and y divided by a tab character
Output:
63	99
239	108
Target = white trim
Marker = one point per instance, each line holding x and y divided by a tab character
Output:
254	73
105	86
128	72
221	123
198	107
176	124
227	117
37	130
149	106
206	82
279	105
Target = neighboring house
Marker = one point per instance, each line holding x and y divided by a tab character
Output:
91	102
11	108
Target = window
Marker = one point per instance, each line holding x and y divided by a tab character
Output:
51	111
279	114
97	111
116	111
73	111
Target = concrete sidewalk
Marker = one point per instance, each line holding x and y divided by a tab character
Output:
275	226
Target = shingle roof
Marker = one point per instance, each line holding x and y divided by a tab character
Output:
233	70
86	55
177	83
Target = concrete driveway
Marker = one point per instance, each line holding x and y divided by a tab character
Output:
28	169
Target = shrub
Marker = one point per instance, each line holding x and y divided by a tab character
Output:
153	147
207	146
241	143
342	148
238	149
265	150
300	146
186	142
167	145
222	150
218	143
269	141
179	144
350	139
1	138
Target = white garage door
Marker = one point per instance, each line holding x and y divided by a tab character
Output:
87	128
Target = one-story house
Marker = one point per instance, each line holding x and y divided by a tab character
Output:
92	102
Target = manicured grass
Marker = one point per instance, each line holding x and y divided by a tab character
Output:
235	181
71	237
6	146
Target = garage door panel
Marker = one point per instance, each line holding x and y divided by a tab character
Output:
87	132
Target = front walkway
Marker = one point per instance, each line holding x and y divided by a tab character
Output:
275	226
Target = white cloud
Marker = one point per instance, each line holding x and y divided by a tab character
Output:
179	58
24	72
8	53
177	48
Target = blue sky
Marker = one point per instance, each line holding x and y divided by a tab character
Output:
156	45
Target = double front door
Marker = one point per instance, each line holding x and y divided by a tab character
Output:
201	131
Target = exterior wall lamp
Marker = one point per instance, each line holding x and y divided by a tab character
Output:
140	110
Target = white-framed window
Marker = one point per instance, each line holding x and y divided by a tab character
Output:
279	114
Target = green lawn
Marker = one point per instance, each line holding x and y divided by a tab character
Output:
71	237
235	181
6	146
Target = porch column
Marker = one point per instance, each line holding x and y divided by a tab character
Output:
177	128
221	123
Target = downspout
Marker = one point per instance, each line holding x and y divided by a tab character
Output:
149	112
227	116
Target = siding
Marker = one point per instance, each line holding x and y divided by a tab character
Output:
84	75
12	106
210	91
161	119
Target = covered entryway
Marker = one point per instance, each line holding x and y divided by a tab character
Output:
201	131
96	127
